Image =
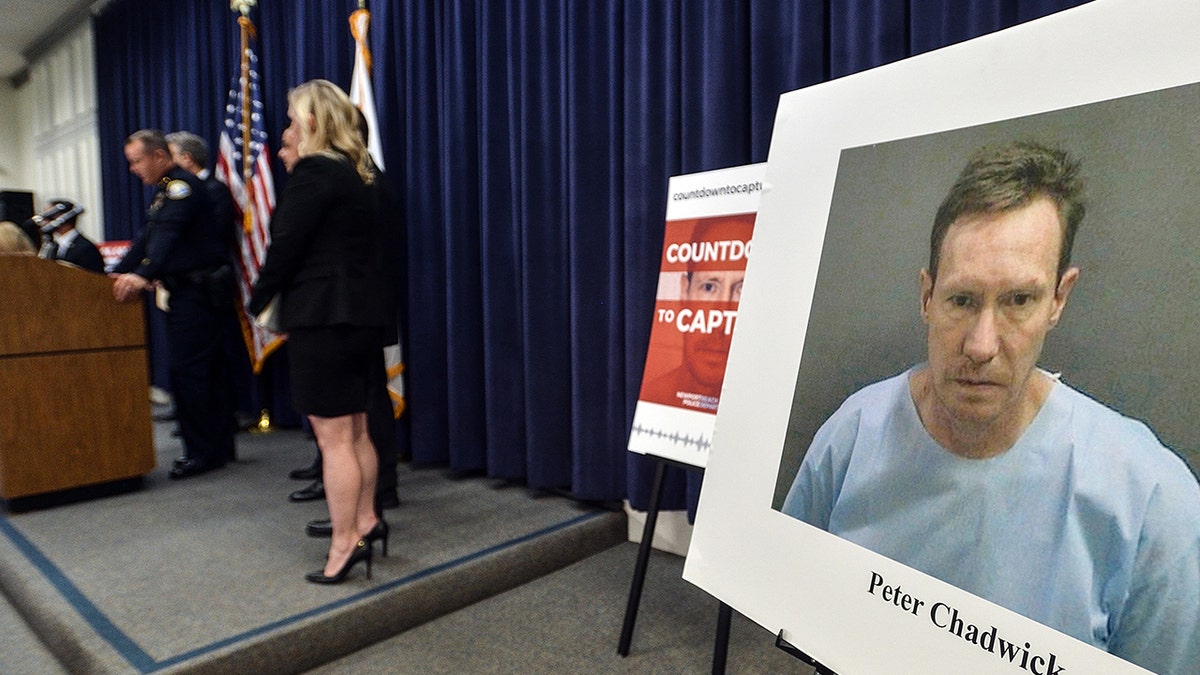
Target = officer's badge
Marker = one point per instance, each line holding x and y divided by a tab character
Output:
178	189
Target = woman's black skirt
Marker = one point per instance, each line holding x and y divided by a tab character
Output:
333	368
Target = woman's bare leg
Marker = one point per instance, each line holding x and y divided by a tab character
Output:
368	465
343	483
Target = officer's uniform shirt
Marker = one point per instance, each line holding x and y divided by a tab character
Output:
177	238
223	214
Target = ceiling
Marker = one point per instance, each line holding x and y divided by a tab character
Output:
27	27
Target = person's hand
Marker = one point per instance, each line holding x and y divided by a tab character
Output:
126	287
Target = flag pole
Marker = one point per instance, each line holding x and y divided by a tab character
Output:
247	28
248	206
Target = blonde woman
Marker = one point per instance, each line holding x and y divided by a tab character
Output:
322	265
13	240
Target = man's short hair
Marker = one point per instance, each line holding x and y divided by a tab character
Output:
151	139
191	144
998	179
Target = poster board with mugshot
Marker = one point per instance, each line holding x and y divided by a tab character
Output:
832	303
706	244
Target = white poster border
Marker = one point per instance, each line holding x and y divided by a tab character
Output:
729	191
781	573
667	432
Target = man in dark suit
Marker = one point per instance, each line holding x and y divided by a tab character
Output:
63	242
180	250
190	152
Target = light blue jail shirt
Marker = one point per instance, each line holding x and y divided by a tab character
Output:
1088	524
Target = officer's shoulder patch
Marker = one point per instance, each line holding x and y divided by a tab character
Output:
178	189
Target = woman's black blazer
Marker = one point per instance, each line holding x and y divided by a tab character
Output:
324	252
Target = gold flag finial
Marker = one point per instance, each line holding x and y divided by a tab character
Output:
264	423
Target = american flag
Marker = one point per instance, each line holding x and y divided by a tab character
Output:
244	164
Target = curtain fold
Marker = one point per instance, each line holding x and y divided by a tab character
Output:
595	129
502	242
458	106
539	59
529	143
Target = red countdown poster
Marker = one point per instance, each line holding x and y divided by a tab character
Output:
707	243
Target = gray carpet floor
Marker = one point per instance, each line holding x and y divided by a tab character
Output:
21	652
570	622
204	575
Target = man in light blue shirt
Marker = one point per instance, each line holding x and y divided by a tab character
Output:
982	470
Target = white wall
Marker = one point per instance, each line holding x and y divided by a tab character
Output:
14	138
672	531
49	143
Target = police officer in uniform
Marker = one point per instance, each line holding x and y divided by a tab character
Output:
190	152
180	250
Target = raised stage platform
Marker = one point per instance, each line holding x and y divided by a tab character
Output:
205	576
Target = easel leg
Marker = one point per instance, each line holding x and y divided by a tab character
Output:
721	643
643	559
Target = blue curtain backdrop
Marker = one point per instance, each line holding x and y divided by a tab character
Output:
530	142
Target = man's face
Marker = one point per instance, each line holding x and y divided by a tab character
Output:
714	286
706	351
287	149
148	166
995	298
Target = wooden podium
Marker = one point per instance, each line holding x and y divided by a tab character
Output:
74	392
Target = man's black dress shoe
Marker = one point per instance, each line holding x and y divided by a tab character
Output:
315	490
322	527
188	468
307	473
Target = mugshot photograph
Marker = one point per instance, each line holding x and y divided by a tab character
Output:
1075	515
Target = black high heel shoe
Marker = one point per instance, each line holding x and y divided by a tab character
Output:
378	533
362	551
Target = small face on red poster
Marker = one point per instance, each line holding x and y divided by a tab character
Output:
700	285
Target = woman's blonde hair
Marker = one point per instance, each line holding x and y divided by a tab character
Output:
13	240
329	124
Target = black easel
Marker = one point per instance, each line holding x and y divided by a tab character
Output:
724	613
788	648
721	642
643	559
